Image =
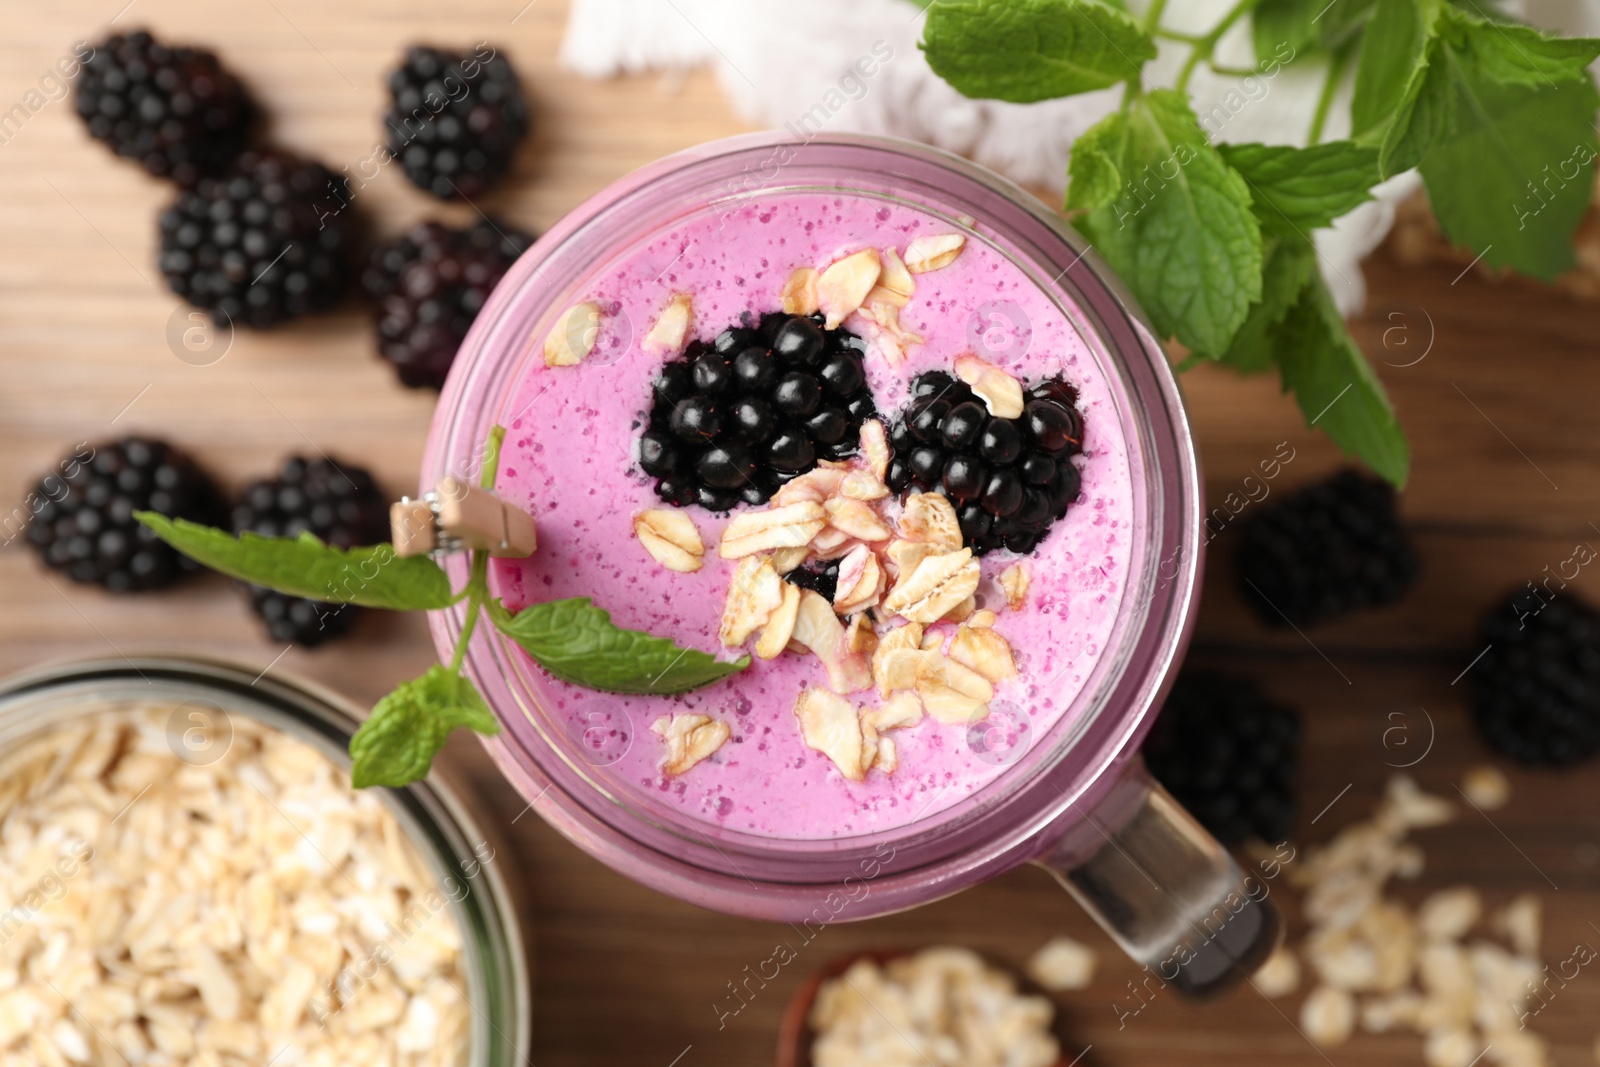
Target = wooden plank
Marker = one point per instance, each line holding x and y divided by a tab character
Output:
625	974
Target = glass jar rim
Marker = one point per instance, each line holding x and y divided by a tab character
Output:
540	284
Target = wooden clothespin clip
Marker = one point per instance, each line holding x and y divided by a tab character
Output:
456	517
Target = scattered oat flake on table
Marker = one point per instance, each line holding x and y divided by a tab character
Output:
1328	1016
1519	922
1063	964
1468	999
1279	975
1450	913
1487	786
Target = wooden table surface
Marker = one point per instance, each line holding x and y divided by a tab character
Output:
1501	412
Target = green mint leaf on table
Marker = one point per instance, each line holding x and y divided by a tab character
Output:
1094	170
1180	231
1464	59
1514	180
1390	70
1517	55
1290	263
407	728
1216	244
1028	50
1305	26
1335	385
1499	119
371	576
578	643
1297	190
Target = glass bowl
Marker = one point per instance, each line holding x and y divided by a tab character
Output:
204	694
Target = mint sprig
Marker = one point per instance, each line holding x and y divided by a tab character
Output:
578	643
1303	25
408	727
1296	190
572	639
1027	50
1216	242
371	576
1179	229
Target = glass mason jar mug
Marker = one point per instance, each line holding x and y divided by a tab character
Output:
1072	795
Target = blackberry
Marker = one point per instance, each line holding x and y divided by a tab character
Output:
428	286
1010	479
83	524
174	110
1536	691
820	576
342	505
261	244
1325	550
455	120
733	419
1229	754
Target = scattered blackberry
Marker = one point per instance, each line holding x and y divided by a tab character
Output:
266	242
1325	550
817	575
174	110
429	285
1229	755
1009	479
1536	691
83	522
455	120
338	503
733	420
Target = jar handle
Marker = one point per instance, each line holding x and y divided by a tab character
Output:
1164	889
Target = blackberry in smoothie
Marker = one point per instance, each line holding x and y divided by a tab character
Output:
784	429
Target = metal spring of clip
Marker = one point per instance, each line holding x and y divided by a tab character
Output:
457	517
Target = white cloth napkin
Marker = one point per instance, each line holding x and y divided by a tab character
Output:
787	64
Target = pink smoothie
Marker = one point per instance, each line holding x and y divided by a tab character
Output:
570	459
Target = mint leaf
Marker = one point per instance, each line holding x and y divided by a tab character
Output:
1028	50
578	643
1517	55
1290	263
1094	179
1393	57
1499	120
407	728
1335	385
1301	26
1297	190
1180	231
1488	9
372	576
1514	179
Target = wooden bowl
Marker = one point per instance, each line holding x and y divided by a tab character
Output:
795	1036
